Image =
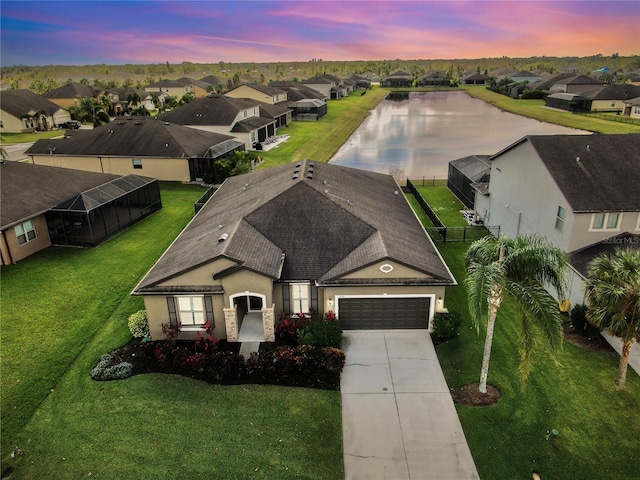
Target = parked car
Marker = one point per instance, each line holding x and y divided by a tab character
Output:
71	125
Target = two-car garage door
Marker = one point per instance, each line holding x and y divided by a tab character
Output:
366	313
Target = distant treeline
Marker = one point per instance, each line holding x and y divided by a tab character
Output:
46	77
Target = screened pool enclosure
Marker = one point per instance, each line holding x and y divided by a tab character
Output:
99	213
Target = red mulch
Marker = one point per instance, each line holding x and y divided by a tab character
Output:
470	395
597	343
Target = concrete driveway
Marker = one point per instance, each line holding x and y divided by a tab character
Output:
398	419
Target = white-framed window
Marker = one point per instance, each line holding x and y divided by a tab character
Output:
560	217
605	221
191	310
25	232
300	293
637	110
137	163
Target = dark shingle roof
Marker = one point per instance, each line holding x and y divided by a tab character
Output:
266	89
580	259
213	80
594	172
340	220
612	92
166	84
298	91
74	90
191	81
28	190
134	137
23	101
212	110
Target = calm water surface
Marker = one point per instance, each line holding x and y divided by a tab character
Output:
424	132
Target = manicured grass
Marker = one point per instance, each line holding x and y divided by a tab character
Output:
8	138
320	140
596	422
536	109
148	426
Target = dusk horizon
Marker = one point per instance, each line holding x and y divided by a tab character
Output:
147	32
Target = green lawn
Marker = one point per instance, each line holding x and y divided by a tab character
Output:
536	109
598	424
9	138
62	308
322	139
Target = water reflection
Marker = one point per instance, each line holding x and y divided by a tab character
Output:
423	132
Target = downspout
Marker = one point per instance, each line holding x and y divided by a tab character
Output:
4	237
519	219
101	166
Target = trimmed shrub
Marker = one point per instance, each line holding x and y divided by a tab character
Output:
580	323
321	333
104	370
139	325
446	326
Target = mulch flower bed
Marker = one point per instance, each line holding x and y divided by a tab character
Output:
299	366
469	395
596	343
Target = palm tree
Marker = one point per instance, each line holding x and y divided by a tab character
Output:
522	267
613	300
90	110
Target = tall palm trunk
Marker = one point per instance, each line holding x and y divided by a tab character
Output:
624	363
495	299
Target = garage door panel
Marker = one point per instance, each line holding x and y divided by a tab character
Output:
360	313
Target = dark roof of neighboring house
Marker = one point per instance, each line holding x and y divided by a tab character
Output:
133	137
633	102
191	81
547	83
269	110
567	96
612	92
166	84
320	224
474	167
213	80
266	89
595	173
212	110
400	73
580	80
580	259
298	91
74	90
21	102
318	81
124	91
29	190
523	73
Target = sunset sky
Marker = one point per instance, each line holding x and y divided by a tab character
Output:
112	32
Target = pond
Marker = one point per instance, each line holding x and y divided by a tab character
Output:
421	132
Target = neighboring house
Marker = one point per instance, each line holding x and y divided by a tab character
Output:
576	84
326	86
476	79
281	114
198	88
546	83
68	95
466	172
170	88
610	98
43	206
398	78
632	108
137	145
120	96
259	92
524	76
306	103
214	81
435	78
300	239
238	117
25	111
361	82
576	190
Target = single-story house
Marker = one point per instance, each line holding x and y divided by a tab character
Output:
259	92
464	173
398	78
300	239
238	117
610	98
434	78
476	79
43	206
24	111
575	84
137	145
524	76
68	95
572	102
576	190
632	107
360	82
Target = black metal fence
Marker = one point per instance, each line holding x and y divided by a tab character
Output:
461	234
203	199
425	205
612	117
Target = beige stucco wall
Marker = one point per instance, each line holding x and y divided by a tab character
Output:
169	169
582	236
599	105
10	124
65	103
225	130
399	271
244	91
17	252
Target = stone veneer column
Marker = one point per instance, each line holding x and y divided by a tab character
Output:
268	323
231	322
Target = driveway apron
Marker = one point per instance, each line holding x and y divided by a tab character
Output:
398	419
